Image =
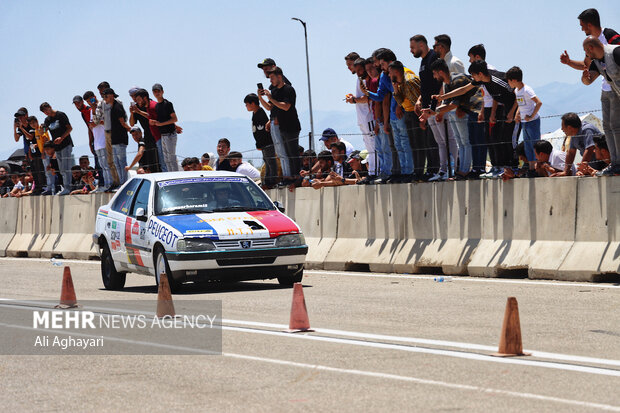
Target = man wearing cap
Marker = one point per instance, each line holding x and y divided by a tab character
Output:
244	168
285	126
365	118
166	119
86	112
118	132
268	65
103	115
330	136
58	124
136	134
139	113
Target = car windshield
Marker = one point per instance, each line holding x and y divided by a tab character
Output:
209	194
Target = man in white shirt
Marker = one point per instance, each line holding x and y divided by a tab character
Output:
365	119
442	46
549	161
236	163
329	136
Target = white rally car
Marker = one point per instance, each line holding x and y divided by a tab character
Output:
197	225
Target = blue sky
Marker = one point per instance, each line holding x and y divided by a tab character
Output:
205	53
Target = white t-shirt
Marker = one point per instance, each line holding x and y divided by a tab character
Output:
486	97
557	159
605	86
364	115
248	170
525	101
99	137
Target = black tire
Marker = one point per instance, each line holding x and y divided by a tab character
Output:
112	279
289	279
175	286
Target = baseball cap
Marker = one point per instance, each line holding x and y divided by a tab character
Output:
328	133
135	128
20	113
157	86
109	91
77	98
359	155
133	90
267	62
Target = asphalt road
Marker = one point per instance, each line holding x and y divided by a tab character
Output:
382	343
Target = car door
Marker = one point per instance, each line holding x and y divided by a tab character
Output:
137	246
117	215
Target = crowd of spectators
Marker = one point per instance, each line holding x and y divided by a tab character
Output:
442	123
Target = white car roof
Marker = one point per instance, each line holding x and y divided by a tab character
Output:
166	176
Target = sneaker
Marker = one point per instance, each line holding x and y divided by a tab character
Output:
393	179
101	189
63	192
367	180
441	176
611	170
47	192
497	173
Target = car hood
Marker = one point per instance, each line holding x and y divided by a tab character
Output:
231	225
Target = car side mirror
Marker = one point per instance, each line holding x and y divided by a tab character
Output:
279	206
141	215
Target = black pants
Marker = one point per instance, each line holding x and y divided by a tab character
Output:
150	158
291	143
501	139
417	142
38	172
271	165
487	134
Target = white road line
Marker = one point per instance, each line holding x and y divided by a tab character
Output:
377	375
466	278
392	275
411	340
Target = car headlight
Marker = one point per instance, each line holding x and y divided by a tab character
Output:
292	240
193	245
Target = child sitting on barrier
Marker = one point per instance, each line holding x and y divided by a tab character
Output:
548	160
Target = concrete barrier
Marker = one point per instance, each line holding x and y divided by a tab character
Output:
563	229
32	227
8	223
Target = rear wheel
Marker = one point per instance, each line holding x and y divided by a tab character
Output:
161	266
289	279
112	279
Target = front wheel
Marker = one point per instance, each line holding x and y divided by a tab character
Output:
289	279
161	267
112	279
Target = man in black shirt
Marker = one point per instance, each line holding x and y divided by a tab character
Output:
264	143
6	185
222	163
58	124
285	126
428	86
268	65
119	128
502	113
138	112
166	119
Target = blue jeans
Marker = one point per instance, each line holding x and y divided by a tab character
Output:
384	152
280	147
120	161
49	176
160	155
107	172
65	162
401	141
531	134
461	134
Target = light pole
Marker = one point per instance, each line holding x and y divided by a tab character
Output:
311	137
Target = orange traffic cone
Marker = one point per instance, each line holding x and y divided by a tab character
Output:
165	306
299	314
510	344
67	293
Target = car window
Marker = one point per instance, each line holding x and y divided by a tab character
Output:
122	202
142	198
209	194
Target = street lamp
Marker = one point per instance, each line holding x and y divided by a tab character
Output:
311	137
